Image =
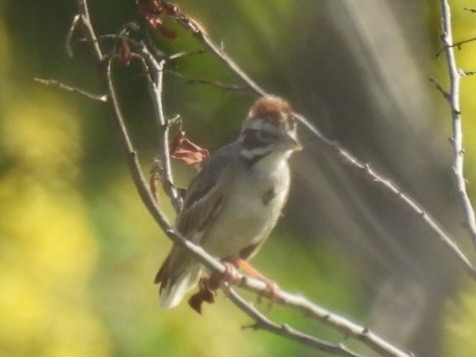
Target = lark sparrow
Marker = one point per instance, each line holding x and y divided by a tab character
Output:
235	201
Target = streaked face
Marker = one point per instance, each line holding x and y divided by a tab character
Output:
261	133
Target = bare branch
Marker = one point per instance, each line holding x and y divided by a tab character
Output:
463	42
440	89
131	154
217	84
328	318
456	119
263	322
431	222
346	156
470	10
89	30
69	37
68	88
155	86
198	31
458	45
467	73
180	55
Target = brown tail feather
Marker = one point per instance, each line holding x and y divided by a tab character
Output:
178	274
164	270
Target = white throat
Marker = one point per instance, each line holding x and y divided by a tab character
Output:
265	159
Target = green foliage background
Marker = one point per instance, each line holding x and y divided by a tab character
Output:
78	251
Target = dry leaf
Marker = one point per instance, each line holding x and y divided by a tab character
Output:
184	150
154	11
204	294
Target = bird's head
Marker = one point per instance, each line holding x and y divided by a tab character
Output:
269	127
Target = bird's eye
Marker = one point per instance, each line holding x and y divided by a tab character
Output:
267	136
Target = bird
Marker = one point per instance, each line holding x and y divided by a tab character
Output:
234	202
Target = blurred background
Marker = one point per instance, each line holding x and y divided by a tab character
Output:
78	251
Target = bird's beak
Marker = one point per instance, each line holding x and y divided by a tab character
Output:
298	146
293	141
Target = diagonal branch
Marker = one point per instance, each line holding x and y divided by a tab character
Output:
328	318
83	11
349	158
263	322
411	203
456	119
198	31
68	88
217	84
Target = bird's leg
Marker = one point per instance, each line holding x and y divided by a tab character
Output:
231	275
207	287
272	289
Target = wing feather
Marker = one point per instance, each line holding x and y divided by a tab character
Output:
205	198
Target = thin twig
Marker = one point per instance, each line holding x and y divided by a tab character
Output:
461	43
83	10
456	119
345	326
180	55
263	322
74	25
431	222
458	45
131	153
119	122
217	84
68	88
440	89
155	85
467	73
191	25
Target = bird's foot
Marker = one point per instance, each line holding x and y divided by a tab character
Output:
271	291
231	276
